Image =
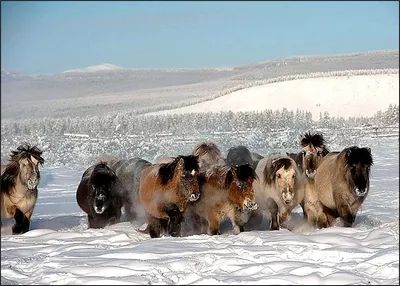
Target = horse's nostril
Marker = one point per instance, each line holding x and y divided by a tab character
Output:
194	197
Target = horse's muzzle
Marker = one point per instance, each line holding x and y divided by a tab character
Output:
251	205
360	192
32	184
194	197
311	174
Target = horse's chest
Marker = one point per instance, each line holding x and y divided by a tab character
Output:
25	203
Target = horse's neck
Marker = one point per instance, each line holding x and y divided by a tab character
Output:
19	190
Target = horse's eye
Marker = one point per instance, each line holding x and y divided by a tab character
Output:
278	175
183	175
303	153
294	175
319	153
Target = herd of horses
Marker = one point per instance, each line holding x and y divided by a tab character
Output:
196	192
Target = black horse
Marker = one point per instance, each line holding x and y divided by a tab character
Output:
241	155
100	194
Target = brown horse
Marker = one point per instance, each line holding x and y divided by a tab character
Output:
313	150
165	190
19	186
279	189
209	155
341	186
225	192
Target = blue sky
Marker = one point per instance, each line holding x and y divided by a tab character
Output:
50	37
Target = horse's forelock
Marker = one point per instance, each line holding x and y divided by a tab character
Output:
245	172
270	171
356	155
190	163
102	175
26	151
317	140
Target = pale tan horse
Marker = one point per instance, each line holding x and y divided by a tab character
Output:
341	186
19	183
313	150
279	190
209	155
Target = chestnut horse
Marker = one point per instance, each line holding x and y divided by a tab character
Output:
313	150
279	189
165	190
19	183
209	155
341	186
225	192
100	195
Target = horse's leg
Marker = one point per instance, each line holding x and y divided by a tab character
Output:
154	225
284	216
175	219
273	210
22	223
255	220
213	225
346	215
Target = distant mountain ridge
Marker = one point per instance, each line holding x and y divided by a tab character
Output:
108	88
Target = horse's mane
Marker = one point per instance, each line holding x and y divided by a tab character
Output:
25	151
355	155
224	174
207	148
270	170
166	170
9	176
102	175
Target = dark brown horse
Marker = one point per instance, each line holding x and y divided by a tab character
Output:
100	194
225	193
209	155
313	150
165	190
341	186
19	183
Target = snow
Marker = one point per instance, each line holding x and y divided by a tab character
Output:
343	96
102	67
60	249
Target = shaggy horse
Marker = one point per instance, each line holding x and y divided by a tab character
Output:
19	183
240	155
165	190
313	150
341	186
209	155
99	194
225	192
129	173
279	189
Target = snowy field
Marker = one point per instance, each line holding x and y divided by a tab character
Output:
60	249
344	96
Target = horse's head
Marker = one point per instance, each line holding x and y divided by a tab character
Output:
208	155
188	168
102	181
358	162
313	150
282	175
28	159
239	180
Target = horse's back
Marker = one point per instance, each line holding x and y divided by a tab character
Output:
325	177
108	159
